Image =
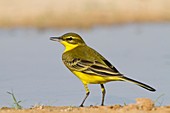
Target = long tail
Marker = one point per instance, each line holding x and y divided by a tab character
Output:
137	83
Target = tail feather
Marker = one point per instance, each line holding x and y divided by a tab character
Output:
138	83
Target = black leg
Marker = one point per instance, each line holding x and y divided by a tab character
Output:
103	94
87	94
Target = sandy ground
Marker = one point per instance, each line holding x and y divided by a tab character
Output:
80	13
142	105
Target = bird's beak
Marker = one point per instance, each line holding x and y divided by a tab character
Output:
56	38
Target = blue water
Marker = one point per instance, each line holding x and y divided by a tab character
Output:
31	66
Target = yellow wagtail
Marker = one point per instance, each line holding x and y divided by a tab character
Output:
89	66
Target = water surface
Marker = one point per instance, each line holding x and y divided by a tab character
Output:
31	66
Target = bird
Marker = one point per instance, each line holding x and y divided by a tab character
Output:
89	65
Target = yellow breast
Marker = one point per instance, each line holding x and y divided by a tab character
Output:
92	79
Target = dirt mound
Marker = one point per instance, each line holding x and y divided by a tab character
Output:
142	105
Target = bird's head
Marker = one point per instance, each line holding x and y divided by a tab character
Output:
69	40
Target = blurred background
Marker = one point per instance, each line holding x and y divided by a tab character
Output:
81	13
133	35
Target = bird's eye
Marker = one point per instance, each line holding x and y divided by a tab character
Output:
69	39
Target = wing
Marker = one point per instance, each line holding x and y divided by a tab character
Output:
92	68
110	65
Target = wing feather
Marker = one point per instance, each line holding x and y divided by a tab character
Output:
92	68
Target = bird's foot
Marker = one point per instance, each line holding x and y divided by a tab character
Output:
81	105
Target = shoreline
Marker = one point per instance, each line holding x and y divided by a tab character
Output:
142	105
81	14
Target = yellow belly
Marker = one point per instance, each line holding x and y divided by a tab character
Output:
94	79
